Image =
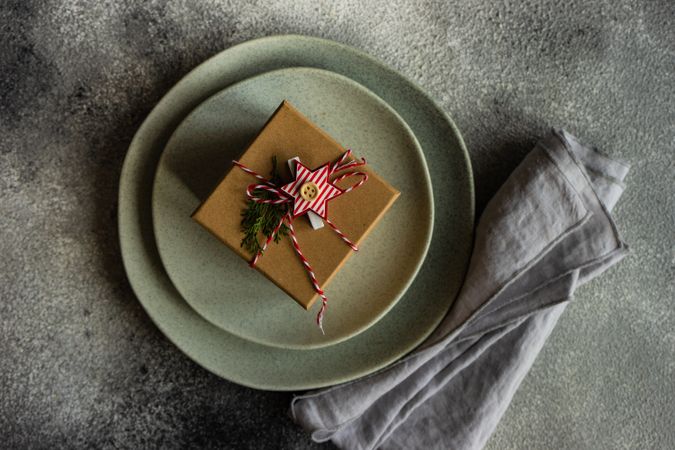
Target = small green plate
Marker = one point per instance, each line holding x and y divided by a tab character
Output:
409	322
218	284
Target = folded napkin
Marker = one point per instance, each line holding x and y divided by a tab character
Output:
547	231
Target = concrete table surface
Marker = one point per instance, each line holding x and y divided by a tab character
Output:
82	364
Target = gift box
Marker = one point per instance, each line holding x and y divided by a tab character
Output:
286	135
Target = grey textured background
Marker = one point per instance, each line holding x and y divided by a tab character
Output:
83	366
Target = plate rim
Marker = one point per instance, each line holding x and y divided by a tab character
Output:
129	169
429	199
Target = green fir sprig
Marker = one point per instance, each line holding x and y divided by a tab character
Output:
263	218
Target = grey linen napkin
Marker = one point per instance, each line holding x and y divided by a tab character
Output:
547	231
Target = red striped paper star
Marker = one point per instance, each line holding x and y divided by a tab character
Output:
318	190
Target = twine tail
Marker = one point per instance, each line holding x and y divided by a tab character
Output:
312	276
319	317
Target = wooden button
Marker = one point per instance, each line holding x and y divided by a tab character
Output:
309	191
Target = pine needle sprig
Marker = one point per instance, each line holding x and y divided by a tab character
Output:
263	218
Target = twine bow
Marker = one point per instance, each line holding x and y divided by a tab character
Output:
291	194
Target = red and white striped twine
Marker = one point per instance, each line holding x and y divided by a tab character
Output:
342	235
254	261
312	276
281	197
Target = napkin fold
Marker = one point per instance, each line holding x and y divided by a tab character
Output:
547	231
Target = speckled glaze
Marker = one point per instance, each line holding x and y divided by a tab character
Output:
427	299
221	286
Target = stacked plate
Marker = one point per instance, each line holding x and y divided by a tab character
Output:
227	317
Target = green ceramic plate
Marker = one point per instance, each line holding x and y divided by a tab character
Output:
416	313
217	283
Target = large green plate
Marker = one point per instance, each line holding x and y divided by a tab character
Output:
217	283
425	302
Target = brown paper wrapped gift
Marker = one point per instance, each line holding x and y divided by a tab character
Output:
288	134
